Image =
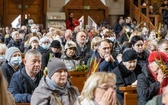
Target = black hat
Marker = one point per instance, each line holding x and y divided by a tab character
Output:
129	54
55	44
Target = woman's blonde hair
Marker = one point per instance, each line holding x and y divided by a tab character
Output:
93	81
5	98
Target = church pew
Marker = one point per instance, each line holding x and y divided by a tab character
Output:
78	79
130	95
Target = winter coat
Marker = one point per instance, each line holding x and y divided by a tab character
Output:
44	94
143	58
125	77
41	50
8	71
165	16
47	56
104	65
72	62
84	53
22	86
157	100
19	44
71	23
147	87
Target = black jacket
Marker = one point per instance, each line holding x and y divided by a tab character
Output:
41	50
19	44
125	77
46	57
147	87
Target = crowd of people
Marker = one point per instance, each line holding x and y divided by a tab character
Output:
126	54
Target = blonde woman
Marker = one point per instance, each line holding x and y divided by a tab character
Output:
99	89
5	97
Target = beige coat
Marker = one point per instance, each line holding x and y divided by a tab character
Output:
44	95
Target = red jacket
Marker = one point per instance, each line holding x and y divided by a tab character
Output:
72	25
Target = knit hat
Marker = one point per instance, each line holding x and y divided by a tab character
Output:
129	54
70	44
33	39
10	51
55	64
14	33
155	55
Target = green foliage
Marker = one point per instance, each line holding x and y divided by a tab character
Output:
81	68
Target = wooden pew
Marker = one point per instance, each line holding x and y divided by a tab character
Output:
78	79
130	95
22	103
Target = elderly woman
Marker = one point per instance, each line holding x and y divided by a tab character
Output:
13	62
127	71
99	89
69	57
5	97
44	45
152	80
55	89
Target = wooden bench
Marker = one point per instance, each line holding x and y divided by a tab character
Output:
22	103
130	95
78	79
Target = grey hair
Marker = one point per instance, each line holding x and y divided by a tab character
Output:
32	52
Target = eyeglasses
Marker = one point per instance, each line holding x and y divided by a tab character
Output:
107	87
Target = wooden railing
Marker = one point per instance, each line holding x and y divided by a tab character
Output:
130	95
136	12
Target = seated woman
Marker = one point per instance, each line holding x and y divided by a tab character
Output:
152	80
54	52
13	63
137	43
99	89
55	89
5	97
69	57
127	71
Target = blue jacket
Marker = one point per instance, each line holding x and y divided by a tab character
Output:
22	86
104	65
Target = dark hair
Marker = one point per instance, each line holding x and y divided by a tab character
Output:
162	41
70	13
125	45
136	38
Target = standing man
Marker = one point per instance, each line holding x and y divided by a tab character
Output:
71	22
26	80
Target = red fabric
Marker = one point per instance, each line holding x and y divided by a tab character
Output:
164	82
155	56
70	26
